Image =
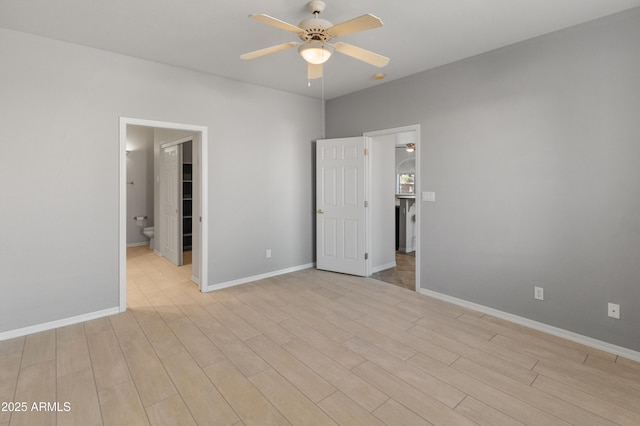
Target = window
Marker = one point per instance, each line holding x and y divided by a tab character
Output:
405	183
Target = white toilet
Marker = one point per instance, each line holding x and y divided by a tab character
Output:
149	233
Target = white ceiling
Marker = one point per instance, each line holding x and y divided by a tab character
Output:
210	35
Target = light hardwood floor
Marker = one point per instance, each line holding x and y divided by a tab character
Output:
311	348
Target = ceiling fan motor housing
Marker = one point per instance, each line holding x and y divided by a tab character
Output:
315	29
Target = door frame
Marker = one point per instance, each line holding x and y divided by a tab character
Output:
368	189
122	211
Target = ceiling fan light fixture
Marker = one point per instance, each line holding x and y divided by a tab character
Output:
315	52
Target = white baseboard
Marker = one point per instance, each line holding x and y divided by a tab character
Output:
389	265
545	328
140	244
58	323
233	283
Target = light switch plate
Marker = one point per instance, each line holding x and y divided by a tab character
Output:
429	196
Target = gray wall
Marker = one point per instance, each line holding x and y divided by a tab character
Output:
59	172
139	171
533	153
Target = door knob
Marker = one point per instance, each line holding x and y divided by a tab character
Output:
319	211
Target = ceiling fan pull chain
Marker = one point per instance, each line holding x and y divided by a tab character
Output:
323	106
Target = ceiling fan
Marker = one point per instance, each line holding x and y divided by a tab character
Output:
315	34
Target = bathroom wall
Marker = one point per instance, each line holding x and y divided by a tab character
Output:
140	195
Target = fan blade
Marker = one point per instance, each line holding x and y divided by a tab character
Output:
268	50
314	71
361	23
361	54
266	19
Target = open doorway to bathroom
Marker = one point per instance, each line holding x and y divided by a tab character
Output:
143	224
394	215
140	187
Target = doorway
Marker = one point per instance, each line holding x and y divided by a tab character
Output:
199	136
356	194
394	217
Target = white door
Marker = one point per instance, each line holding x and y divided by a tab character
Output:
340	204
171	241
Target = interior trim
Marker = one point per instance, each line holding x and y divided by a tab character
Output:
58	323
204	204
545	328
245	280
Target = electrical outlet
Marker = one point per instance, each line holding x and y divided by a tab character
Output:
268	253
614	310
538	293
